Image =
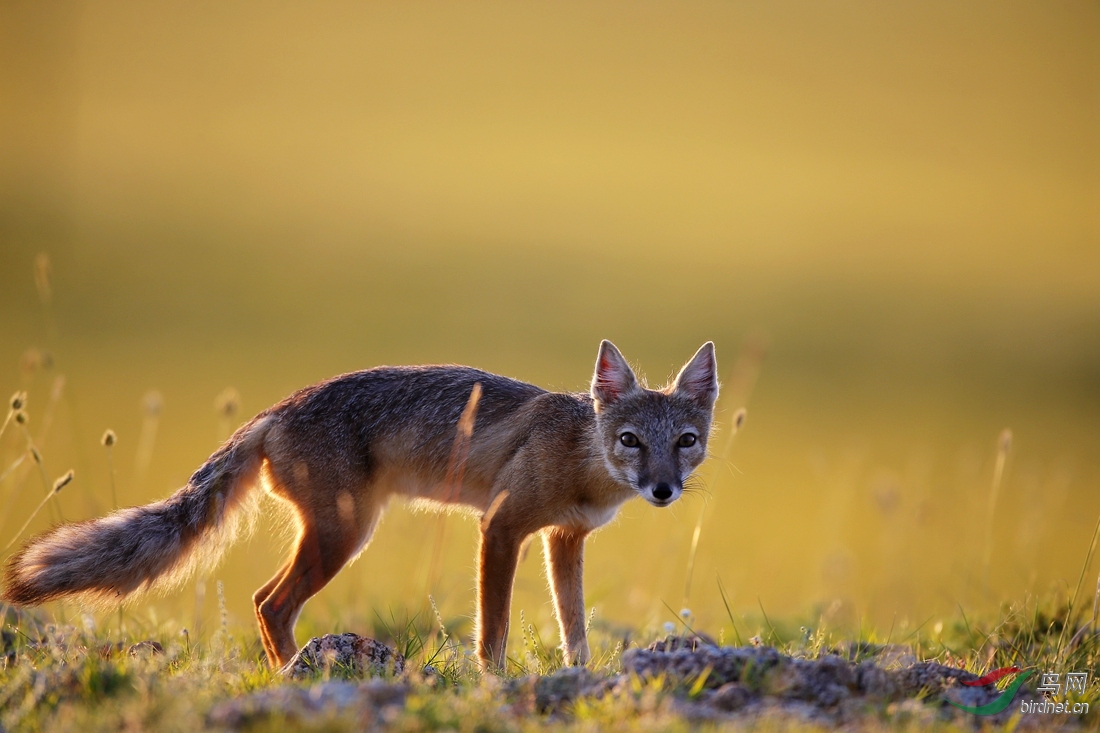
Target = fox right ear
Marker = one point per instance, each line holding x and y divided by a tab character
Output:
613	378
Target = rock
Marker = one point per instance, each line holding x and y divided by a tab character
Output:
291	703
877	682
896	655
346	655
566	685
931	677
730	696
856	651
110	649
759	681
690	642
824	682
553	692
756	685
432	676
748	665
147	647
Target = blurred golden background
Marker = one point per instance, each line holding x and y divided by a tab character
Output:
885	216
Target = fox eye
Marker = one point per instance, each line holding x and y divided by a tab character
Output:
686	440
630	440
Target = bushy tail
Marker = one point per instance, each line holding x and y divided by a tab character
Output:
102	561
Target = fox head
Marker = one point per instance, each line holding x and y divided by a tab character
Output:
653	439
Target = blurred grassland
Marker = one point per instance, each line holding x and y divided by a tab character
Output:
898	206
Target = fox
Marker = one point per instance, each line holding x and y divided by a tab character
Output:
526	460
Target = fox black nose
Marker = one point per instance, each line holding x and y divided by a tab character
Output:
662	492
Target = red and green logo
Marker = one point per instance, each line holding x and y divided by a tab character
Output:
1004	699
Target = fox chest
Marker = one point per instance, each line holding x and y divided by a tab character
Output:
587	516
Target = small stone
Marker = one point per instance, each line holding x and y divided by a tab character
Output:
432	676
730	696
297	704
147	647
110	649
690	642
347	655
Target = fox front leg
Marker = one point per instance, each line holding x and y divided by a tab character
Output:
564	552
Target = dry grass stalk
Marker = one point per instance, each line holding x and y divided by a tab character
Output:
108	440
152	404
1004	445
58	485
15	407
456	471
57	515
737	422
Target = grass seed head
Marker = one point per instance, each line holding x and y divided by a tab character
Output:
36	455
63	481
443	627
108	438
228	402
152	403
34	360
42	272
22	417
18	400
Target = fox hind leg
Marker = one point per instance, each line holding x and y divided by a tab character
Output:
328	539
258	598
499	557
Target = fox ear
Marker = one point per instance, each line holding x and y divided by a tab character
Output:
698	380
613	378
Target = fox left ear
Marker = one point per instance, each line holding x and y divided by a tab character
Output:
698	380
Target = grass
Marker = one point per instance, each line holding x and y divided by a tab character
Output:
60	677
